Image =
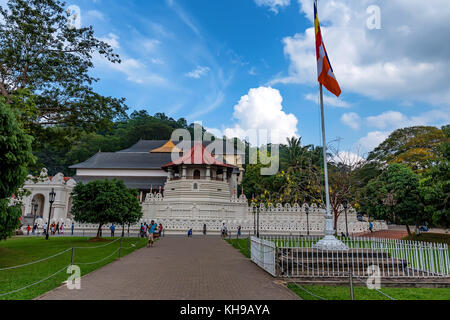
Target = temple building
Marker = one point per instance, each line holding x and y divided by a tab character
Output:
182	185
141	166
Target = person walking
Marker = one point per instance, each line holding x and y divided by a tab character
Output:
160	229
371	226
57	228
34	229
62	228
223	231
44	232
190	233
204	229
151	238
73	227
28	230
112	228
239	232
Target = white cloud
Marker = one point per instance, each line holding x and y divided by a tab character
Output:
150	44
351	119
403	59
261	109
96	15
328	100
373	140
198	72
112	40
348	158
273	4
394	119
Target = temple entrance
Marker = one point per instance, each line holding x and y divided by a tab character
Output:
197	174
39	199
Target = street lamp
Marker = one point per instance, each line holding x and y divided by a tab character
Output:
254	220
307	220
345	205
35	206
257	212
52	196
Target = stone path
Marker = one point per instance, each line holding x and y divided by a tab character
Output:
178	268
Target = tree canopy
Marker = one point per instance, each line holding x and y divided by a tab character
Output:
44	71
394	196
15	157
416	147
105	201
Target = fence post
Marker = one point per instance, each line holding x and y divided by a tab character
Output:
351	286
120	250
73	256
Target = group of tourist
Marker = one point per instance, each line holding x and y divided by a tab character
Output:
55	228
151	231
34	229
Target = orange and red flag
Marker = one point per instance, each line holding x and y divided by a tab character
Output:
324	69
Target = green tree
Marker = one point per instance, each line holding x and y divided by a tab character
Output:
105	201
46	63
415	147
15	156
394	196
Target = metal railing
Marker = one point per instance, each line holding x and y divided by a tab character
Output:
297	257
263	253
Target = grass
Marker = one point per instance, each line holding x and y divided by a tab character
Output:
243	245
22	250
362	293
430	237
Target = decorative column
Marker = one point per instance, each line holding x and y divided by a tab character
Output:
208	173
183	175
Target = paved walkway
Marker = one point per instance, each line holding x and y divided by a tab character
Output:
178	268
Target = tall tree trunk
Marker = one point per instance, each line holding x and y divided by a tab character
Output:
99	230
409	230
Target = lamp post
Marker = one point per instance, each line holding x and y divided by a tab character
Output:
254	220
35	207
52	196
307	220
345	205
257	212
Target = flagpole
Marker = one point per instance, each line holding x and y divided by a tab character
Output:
329	241
324	150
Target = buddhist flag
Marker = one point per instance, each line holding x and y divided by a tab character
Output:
324	69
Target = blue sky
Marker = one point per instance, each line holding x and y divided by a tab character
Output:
239	65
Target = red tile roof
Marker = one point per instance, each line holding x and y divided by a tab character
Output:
198	155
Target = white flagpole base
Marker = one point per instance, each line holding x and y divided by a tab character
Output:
330	243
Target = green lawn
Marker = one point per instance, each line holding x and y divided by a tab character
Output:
243	245
23	250
362	293
430	237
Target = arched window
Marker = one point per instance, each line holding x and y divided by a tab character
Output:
197	174
195	186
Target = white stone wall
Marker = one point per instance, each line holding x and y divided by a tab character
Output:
178	216
194	208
